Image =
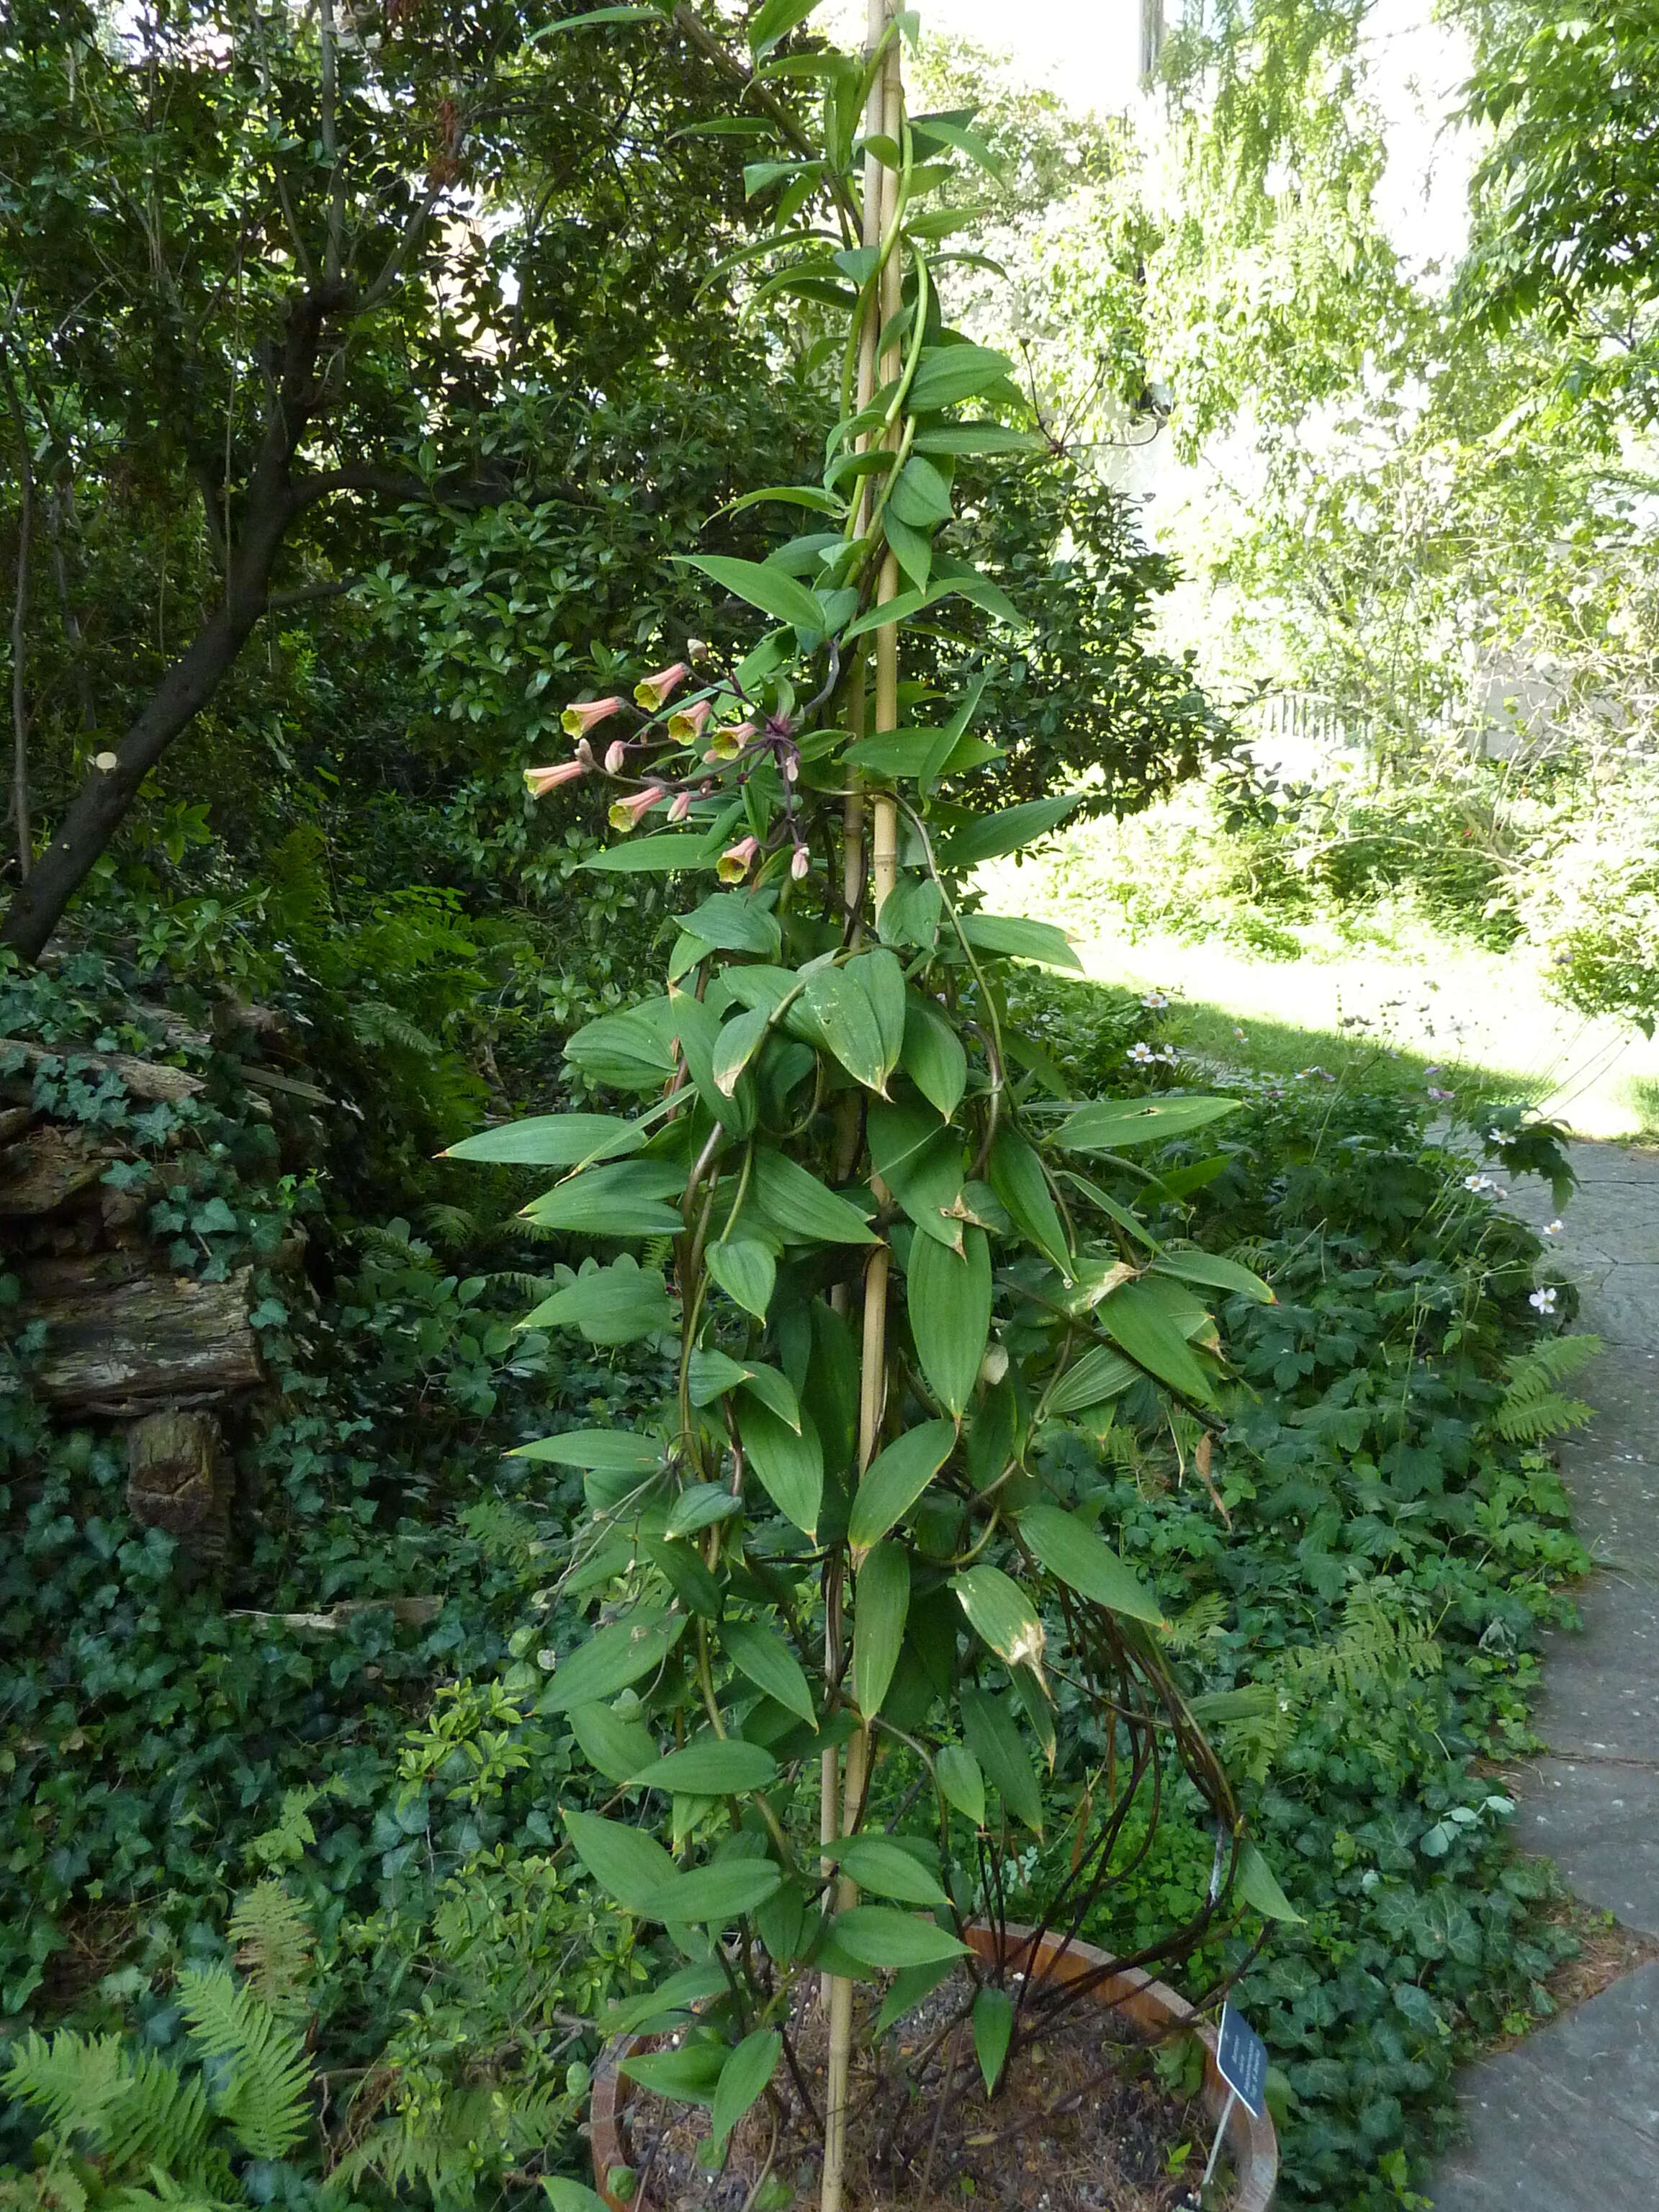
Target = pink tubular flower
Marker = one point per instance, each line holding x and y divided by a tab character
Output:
800	861
540	780
583	714
614	754
681	807
626	813
654	692
732	865
726	745
686	723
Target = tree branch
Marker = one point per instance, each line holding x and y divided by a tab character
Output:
19	605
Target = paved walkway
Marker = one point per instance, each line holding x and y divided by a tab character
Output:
1571	2118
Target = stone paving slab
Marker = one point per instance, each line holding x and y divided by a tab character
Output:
1568	2121
1570	2118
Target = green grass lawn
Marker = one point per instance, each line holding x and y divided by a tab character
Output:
1392	994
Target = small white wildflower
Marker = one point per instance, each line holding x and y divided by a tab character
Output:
1239	1033
1141	1053
1153	1000
1169	1055
1552	1229
1497	1137
1480	1184
1543	1300
547	1659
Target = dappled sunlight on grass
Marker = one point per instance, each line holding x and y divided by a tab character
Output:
1414	1007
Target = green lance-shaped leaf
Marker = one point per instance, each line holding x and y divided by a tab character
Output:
610	1660
761	1653
948	374
1017	1179
880	1936
992	835
711	1766
894	1479
885	1868
689	2075
1100	1374
1000	1615
994	2029
616	1305
711	1896
1140	1323
735	922
666	854
1071	1551
933	1055
1212	1272
994	1738
738	1042
609	1451
1109	1125
627	1863
920	497
788	1462
669	2004
743	2079
960	1778
1015	938
626	1200
745	1270
909	914
881	1603
552	1140
799	1208
772	590
921	1164
699	1506
910	1987
882	978
614	1744
630	1051
713	1374
950	1304
836	1010
1258	1886
564	2193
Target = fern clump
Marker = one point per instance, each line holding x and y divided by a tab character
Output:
1532	1407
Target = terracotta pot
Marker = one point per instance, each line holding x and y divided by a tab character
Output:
1251	2144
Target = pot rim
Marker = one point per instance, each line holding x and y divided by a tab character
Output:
1253	2143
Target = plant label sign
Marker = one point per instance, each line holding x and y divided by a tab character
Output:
1241	2059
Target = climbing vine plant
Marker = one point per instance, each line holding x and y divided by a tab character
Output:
829	1574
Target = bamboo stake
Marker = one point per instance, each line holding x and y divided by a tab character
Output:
884	113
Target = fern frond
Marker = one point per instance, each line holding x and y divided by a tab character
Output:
1549	1362
273	1934
521	1282
375	1023
129	2106
1529	1421
266	2101
1187	1630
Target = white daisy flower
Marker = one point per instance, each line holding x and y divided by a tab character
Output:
1480	1184
1552	1229
1153	1000
1141	1054
1543	1300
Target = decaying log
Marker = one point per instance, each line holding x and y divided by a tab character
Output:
121	1343
179	1480
143	1079
407	1612
48	1168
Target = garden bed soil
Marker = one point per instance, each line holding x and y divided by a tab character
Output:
1084	2124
